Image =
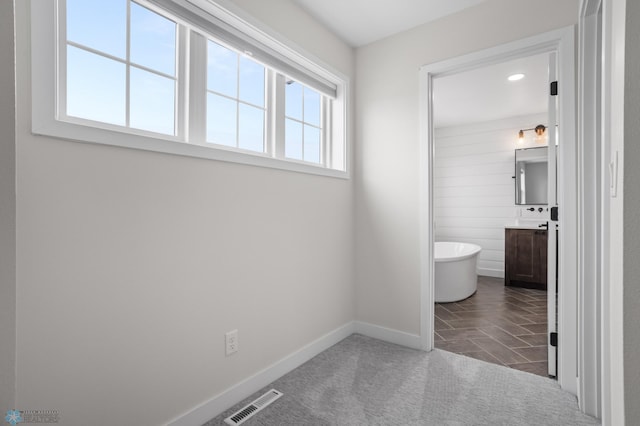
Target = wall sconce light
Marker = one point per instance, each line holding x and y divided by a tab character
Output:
539	129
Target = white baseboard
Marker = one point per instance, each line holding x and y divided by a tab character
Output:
244	389
496	273
216	405
389	335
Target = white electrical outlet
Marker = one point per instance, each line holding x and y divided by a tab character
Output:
231	339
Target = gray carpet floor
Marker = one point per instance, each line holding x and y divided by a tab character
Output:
364	381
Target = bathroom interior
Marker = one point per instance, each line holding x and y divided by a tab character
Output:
491	213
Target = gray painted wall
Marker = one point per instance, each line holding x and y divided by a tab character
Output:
7	209
631	217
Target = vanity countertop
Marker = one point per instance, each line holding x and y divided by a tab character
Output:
526	224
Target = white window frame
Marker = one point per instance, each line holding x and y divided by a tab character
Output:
180	90
268	74
324	127
190	138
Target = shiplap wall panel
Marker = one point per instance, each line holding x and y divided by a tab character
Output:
489	244
470	160
469	222
480	211
478	233
488	265
472	201
481	169
494	190
474	188
472	149
477	180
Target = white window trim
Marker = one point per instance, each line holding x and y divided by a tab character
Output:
44	47
322	126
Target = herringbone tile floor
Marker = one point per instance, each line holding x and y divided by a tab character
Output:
498	324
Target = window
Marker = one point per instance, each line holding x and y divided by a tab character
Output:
303	123
235	99
187	78
121	65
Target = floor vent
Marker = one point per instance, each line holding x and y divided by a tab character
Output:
247	412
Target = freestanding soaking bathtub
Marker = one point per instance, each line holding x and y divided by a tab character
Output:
456	277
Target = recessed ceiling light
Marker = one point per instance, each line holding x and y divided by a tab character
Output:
516	77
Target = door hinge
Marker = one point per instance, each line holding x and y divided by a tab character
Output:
554	213
553	339
554	88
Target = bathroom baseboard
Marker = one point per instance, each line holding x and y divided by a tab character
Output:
496	273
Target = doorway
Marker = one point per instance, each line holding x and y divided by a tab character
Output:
561	43
491	185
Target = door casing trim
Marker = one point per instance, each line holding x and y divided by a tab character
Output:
562	42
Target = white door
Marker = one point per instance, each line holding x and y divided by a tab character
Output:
552	266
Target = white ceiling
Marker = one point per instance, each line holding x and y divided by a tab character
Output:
485	94
360	22
475	96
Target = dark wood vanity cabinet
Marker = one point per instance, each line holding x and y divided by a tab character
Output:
526	258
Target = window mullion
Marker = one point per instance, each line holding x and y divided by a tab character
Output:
197	89
303	123
128	69
269	113
182	84
278	107
238	101
325	132
61	95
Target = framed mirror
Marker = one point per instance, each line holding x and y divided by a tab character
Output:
531	176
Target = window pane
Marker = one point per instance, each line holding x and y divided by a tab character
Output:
152	102
251	82
293	100
311	144
251	128
99	24
153	40
222	70
221	120
96	87
311	107
293	140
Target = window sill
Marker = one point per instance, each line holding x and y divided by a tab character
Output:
92	135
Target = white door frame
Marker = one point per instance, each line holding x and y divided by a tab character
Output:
562	42
593	206
603	396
